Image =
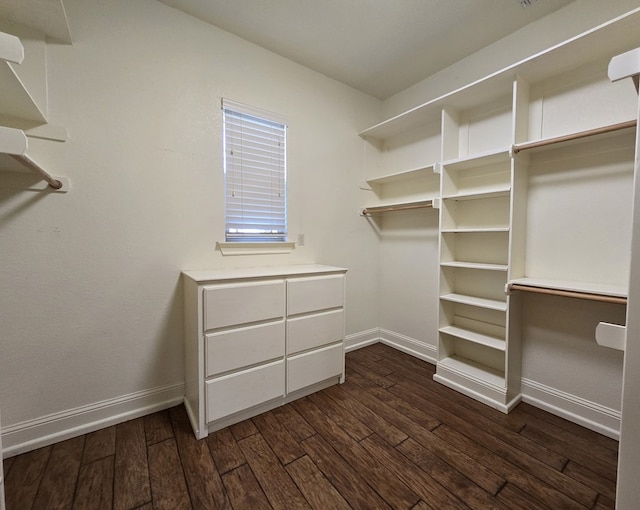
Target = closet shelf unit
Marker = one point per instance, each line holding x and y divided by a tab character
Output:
489	134
21	108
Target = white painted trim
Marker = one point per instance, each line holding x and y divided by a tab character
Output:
362	339
32	434
416	348
591	415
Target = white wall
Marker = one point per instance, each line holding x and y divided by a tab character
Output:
91	301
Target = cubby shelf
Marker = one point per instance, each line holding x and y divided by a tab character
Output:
468	368
472	230
476	265
413	173
472	336
480	302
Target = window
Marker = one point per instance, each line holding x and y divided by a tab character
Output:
255	174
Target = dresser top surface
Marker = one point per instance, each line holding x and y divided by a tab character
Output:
206	275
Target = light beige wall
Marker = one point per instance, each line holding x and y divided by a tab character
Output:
91	301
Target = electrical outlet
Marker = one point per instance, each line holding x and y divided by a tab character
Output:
300	239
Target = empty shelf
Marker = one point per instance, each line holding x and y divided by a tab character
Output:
490	304
477	338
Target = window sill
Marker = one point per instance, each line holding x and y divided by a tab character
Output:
240	248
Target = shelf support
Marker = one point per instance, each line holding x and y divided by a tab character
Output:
625	65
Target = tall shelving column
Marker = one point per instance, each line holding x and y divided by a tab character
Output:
475	228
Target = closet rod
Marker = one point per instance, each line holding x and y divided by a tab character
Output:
52	181
574	136
392	208
570	293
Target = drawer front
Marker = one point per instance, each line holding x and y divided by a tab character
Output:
241	303
315	366
237	348
311	331
315	293
242	390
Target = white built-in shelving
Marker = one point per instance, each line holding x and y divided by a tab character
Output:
535	163
23	82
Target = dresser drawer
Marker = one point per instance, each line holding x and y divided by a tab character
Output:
241	303
314	293
311	331
237	392
314	366
242	347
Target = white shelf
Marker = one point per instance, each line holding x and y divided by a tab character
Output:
601	289
11	49
476	338
476	160
476	195
476	265
611	38
472	230
474	370
414	173
45	16
490	304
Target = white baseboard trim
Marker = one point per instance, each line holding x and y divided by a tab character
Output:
589	414
361	339
416	348
32	434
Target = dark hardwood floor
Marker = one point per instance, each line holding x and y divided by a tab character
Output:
390	437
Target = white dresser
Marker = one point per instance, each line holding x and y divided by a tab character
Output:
257	338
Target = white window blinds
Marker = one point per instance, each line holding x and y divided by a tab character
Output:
255	174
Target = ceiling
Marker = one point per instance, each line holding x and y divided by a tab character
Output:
377	46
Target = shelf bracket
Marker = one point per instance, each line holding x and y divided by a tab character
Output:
13	142
625	65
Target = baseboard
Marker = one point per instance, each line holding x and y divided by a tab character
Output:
591	415
416	348
32	434
361	339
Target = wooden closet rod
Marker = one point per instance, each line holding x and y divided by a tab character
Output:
52	181
392	208
570	293
574	136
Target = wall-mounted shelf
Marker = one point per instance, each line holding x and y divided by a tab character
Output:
13	143
46	16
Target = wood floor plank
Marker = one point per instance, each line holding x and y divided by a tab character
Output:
167	479
279	439
353	488
7	464
203	480
243	429
22	482
344	419
553	497
58	484
278	486
225	451
422	483
377	422
390	488
320	494
243	489
572	428
572	452
99	444
604	503
513	497
157	427
470	493
604	486
95	485
294	423
131	483
458	459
